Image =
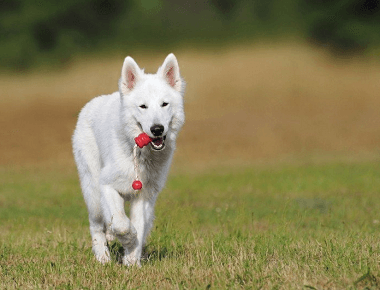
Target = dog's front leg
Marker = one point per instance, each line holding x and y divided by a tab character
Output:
116	220
142	215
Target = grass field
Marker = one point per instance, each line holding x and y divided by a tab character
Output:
274	185
294	227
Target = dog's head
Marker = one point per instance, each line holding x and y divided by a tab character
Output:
153	103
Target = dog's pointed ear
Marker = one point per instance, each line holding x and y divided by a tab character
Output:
170	72
130	75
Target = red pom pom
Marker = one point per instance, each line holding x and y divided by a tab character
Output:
142	140
137	185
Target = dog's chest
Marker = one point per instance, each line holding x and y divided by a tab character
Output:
152	171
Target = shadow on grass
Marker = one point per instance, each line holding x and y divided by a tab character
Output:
149	253
154	254
116	250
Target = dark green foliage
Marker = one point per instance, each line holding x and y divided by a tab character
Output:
344	25
53	31
225	6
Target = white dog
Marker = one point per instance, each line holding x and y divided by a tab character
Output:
103	144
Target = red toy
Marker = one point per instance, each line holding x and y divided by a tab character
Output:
141	140
137	185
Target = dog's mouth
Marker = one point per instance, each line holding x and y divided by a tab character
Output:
158	143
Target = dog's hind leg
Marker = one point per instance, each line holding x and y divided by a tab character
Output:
90	188
97	225
99	242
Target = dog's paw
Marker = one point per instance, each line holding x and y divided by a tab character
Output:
101	252
128	239
104	257
110	236
130	260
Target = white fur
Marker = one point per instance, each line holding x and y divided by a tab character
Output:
103	149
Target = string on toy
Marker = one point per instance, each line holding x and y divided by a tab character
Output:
142	140
136	165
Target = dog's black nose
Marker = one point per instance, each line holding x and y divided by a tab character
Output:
157	130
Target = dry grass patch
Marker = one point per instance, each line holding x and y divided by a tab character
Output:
243	104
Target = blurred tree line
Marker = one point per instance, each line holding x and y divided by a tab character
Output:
34	32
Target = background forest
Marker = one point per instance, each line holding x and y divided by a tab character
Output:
53	32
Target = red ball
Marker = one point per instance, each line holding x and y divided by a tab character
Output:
137	185
142	140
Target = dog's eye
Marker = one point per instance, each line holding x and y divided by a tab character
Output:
143	107
164	104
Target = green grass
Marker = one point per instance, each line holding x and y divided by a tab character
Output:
289	227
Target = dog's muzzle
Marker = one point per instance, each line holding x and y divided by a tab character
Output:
158	143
